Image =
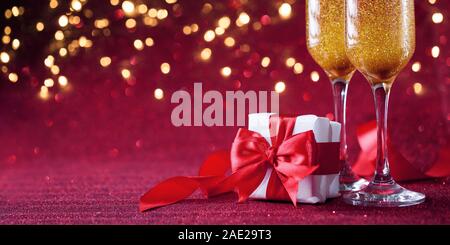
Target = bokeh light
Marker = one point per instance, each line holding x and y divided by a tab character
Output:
437	18
416	66
128	7
285	10
225	71
105	61
265	62
315	77
165	68
435	51
4	57
280	87
206	54
158	94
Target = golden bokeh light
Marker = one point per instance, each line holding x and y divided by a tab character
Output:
194	27
280	87
138	44
105	61
243	19
54	70
224	22
49	61
62	52
229	42
15	11
4	57
40	26
63	21
101	23
13	77
152	12
315	77
125	73
165	68
416	66
15	44
298	68
53	4
209	35
435	51
418	88
128	7
162	14
219	31
44	93
205	54
285	10
114	2
290	62
265	62
437	18
149	41
187	30
158	93
49	83
225	71
6	39
59	35
130	23
142	8
7	30
76	5
62	81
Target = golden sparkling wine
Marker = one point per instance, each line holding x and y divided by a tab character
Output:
380	37
326	38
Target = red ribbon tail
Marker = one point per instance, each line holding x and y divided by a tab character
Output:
291	183
291	186
174	190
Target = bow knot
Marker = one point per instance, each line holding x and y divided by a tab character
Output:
272	155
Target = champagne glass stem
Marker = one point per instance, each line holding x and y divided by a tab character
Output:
382	191
349	181
381	97
340	88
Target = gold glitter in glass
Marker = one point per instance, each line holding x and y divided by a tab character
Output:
325	28
380	37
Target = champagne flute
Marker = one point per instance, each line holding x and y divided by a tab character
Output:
380	40
325	32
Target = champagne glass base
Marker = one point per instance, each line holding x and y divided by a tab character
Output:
384	195
351	185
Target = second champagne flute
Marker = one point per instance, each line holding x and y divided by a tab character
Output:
325	33
380	41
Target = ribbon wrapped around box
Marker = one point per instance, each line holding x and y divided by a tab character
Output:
323	183
276	158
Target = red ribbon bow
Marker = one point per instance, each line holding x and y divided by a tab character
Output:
292	158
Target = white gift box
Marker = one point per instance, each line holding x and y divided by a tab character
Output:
313	188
